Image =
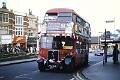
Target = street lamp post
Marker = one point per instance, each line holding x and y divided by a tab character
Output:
112	21
105	50
105	45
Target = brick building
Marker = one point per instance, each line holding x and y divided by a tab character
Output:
32	29
7	20
22	27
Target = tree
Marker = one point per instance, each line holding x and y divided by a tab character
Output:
108	34
118	30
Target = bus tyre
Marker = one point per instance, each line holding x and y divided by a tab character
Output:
71	66
86	61
41	66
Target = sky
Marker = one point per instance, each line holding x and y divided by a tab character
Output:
96	12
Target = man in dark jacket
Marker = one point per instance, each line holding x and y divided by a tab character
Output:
115	54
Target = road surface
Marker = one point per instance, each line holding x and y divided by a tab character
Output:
29	71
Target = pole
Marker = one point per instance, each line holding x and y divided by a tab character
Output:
105	49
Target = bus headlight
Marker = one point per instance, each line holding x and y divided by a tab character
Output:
67	61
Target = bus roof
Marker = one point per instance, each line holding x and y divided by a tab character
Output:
59	10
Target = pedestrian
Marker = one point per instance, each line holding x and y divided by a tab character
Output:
115	54
31	49
28	49
0	48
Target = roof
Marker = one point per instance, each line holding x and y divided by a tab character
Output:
94	40
103	38
57	20
4	10
115	41
59	10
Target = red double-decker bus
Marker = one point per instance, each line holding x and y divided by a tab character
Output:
64	42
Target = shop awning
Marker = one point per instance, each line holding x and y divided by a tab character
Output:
21	39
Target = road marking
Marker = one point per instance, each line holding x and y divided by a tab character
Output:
1	77
77	76
80	78
72	79
23	75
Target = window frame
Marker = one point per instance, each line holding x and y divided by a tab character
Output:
4	17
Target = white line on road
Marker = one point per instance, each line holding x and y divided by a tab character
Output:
1	77
72	79
23	75
77	76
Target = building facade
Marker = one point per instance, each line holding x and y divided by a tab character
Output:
94	42
20	38
7	21
32	30
19	26
22	27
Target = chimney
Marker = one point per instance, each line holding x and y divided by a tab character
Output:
30	12
4	5
11	10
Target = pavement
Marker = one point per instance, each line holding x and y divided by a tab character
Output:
100	71
17	61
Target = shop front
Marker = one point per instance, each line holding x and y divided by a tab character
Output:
32	41
20	41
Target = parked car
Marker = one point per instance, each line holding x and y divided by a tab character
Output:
110	51
99	52
91	50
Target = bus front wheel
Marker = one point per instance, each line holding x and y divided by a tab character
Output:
41	66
